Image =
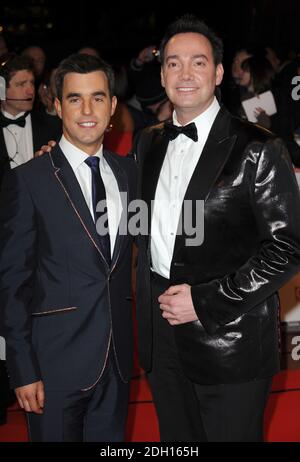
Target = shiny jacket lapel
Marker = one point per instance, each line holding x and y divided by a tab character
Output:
212	160
152	165
214	156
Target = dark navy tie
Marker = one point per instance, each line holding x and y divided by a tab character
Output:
99	194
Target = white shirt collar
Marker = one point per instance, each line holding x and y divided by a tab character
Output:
12	117
74	155
206	118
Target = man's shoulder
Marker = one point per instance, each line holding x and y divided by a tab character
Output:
255	141
33	175
126	163
121	160
144	139
35	166
251	131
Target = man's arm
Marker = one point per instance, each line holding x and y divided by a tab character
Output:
276	205
18	248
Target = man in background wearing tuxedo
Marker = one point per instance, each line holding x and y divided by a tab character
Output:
22	131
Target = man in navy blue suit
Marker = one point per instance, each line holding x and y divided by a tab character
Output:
65	287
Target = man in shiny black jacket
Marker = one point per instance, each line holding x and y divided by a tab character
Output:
208	310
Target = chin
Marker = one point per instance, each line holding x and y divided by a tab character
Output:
27	107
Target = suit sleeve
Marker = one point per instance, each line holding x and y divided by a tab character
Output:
276	207
18	238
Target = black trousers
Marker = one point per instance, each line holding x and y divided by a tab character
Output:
97	415
191	412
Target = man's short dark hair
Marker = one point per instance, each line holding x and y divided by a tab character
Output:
81	63
11	63
190	23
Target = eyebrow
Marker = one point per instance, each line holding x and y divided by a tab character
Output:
20	82
95	93
193	57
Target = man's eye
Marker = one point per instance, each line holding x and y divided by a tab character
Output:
74	100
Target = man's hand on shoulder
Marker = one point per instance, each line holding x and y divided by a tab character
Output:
31	397
45	148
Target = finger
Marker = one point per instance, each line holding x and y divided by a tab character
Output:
165	308
52	143
41	397
46	148
26	404
20	401
34	405
38	153
173	290
164	299
168	315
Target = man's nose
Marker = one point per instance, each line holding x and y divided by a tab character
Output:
186	72
87	106
30	90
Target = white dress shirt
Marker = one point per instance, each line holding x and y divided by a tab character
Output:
82	171
179	164
18	140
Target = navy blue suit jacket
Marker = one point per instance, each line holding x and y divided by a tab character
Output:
62	305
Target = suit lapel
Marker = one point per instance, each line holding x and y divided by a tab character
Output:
214	156
71	188
122	181
152	166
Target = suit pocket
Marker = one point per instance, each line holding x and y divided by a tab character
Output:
51	311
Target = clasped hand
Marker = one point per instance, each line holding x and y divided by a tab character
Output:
177	305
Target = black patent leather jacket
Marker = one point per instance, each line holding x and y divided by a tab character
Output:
251	248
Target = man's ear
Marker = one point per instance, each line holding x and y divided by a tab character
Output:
219	74
114	102
162	77
57	105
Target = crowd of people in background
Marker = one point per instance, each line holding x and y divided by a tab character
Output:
142	100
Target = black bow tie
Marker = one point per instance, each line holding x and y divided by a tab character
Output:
172	131
5	121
